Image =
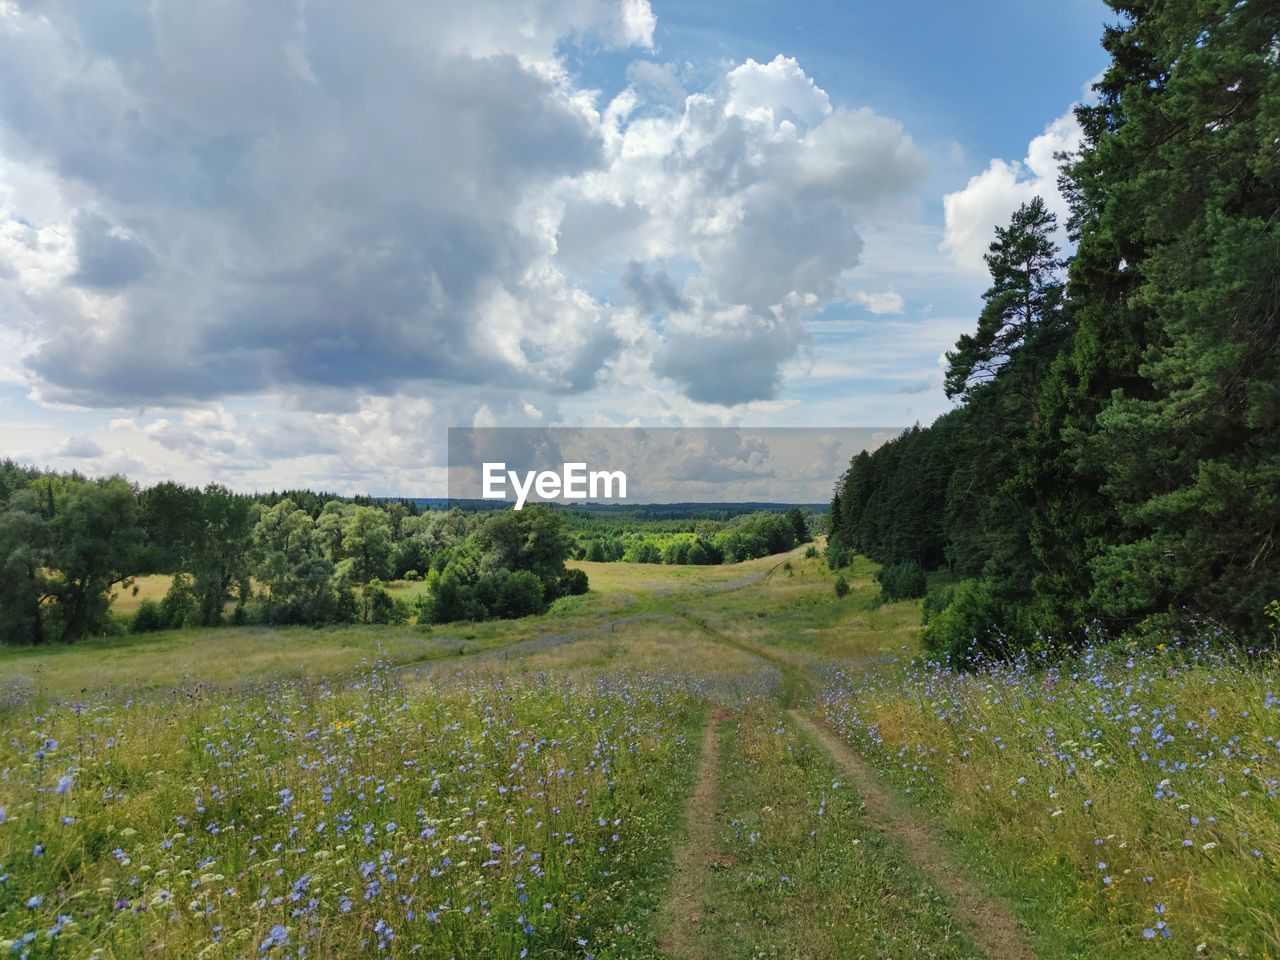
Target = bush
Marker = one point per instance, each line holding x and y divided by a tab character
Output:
574	583
838	556
451	600
842	587
935	601
975	624
901	581
810	552
179	607
379	605
148	619
643	552
520	594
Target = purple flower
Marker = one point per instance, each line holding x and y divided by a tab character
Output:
278	937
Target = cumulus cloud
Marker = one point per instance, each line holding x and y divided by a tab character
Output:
347	225
302	197
991	197
885	302
727	356
77	447
106	259
756	186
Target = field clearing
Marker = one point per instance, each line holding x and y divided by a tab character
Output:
1035	782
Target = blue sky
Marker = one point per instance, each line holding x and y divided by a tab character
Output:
267	248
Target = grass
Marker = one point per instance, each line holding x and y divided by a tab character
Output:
1129	800
485	818
1161	765
799	873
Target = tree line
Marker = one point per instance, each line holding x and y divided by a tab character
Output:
1112	466
698	542
68	544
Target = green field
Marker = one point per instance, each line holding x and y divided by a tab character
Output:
717	761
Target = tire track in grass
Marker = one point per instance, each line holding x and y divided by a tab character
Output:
987	922
681	914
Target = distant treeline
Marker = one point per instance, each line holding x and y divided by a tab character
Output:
1113	465
688	541
67	544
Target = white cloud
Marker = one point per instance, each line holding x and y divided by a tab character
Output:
991	197
637	23
885	302
295	198
754	192
775	94
302	239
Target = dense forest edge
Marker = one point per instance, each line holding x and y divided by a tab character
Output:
70	545
1112	467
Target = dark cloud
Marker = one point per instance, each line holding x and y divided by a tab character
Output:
77	447
106	261
654	291
729	358
315	198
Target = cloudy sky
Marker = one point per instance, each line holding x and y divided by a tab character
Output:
276	244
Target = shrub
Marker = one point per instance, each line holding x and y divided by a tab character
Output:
935	601
901	581
379	607
810	552
179	606
148	619
574	583
520	594
838	556
975	624
676	552
842	587
450	600
643	552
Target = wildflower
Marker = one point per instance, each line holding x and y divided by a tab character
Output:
278	937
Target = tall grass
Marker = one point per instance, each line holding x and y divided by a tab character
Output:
1129	796
487	817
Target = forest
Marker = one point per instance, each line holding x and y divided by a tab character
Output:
70	544
1112	465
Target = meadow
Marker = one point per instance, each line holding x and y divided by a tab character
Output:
687	761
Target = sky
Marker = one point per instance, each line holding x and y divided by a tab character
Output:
277	245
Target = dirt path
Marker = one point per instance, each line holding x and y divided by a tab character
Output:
985	920
682	912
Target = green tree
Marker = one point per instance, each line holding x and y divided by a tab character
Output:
95	544
1158	470
218	555
799	526
366	539
24	540
1020	327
